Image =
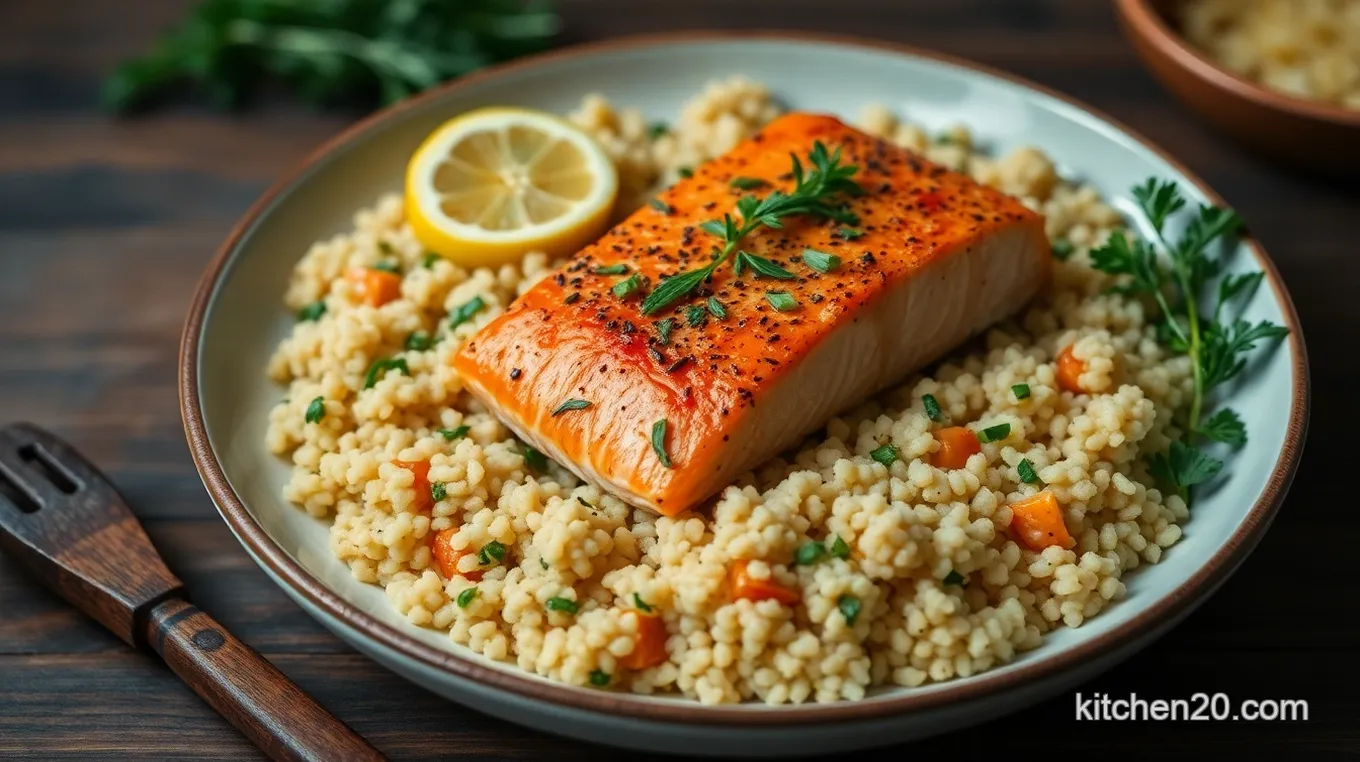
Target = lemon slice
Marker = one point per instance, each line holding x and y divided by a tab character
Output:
493	184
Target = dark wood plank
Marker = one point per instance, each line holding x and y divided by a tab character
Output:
105	225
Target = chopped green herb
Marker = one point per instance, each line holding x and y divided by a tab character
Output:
747	183
451	434
492	551
1183	466
534	459
438	491
316	410
944	139
686	172
994	433
820	260
953	578
839	549
466	597
694	315
641	604
932	407
659	442
1225	426
814	194
429	260
661	206
657	129
419	341
1021	391
781	300
379	368
849	606
716	308
628	286
313	311
761	266
808	554
850	234
557	603
465	312
584	502
599	678
1025	470
387	265
887	454
663	330
1062	249
614	269
570	405
543	563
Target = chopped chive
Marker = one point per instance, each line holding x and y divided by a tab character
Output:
419	341
557	603
887	454
438	491
661	206
465	597
1026	472
451	434
316	410
686	172
657	129
932	407
1062	249
465	312
820	260
429	260
953	578
659	442
599	678
994	433
313	311
534	459
615	269
379	368
641	604
808	553
570	405
492	551
839	549
1021	391
663	330
628	286
850	234
572	297
849	606
694	315
747	183
716	308
781	300
388	266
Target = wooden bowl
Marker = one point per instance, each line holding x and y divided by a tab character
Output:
1301	132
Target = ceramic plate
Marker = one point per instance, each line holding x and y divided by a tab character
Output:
237	319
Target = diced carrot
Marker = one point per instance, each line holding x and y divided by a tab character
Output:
375	287
447	558
743	585
649	649
420	469
1070	369
957	443
1038	522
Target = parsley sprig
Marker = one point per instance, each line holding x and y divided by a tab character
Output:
814	193
1176	275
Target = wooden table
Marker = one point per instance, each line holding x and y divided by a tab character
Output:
105	225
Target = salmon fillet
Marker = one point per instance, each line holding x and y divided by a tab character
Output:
937	259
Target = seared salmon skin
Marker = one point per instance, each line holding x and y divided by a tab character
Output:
749	363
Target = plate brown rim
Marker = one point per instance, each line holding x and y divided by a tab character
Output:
1214	571
1142	19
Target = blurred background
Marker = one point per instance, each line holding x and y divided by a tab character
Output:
106	222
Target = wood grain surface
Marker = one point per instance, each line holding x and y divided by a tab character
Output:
105	225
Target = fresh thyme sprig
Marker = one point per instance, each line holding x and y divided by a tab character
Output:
1178	284
813	193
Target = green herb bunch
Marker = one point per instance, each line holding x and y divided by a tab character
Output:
355	52
1195	318
813	194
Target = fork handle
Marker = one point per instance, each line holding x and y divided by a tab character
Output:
251	693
